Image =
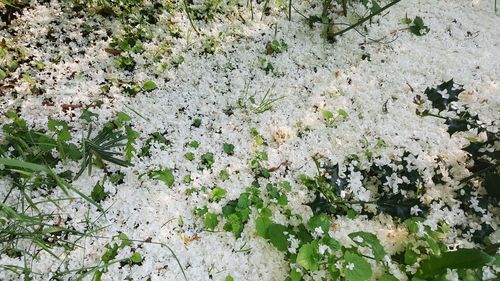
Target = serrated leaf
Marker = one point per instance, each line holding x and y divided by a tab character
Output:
165	175
121	118
320	220
110	254
276	234
262	223
228	148
211	220
132	135
217	194
308	256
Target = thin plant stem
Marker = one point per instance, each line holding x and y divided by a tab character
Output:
186	9
365	19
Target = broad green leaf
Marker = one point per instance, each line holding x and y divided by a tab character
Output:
262	223
433	245
165	175
3	75
361	269
136	258
320	220
276	233
149	86
189	156
121	118
295	276
462	258
410	256
327	114
308	256
370	240
387	277
343	113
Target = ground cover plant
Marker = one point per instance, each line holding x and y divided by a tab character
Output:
249	140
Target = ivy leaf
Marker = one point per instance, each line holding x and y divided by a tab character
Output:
149	86
217	194
228	148
211	221
207	160
234	224
459	259
449	88
165	175
121	118
308	256
135	258
88	115
61	128
418	27
370	240
361	269
132	135
276	234
98	194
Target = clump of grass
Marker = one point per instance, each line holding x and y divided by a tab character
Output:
255	105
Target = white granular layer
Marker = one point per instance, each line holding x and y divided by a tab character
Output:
311	76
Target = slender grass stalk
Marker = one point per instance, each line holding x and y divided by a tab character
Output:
365	19
290	10
186	9
44	169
